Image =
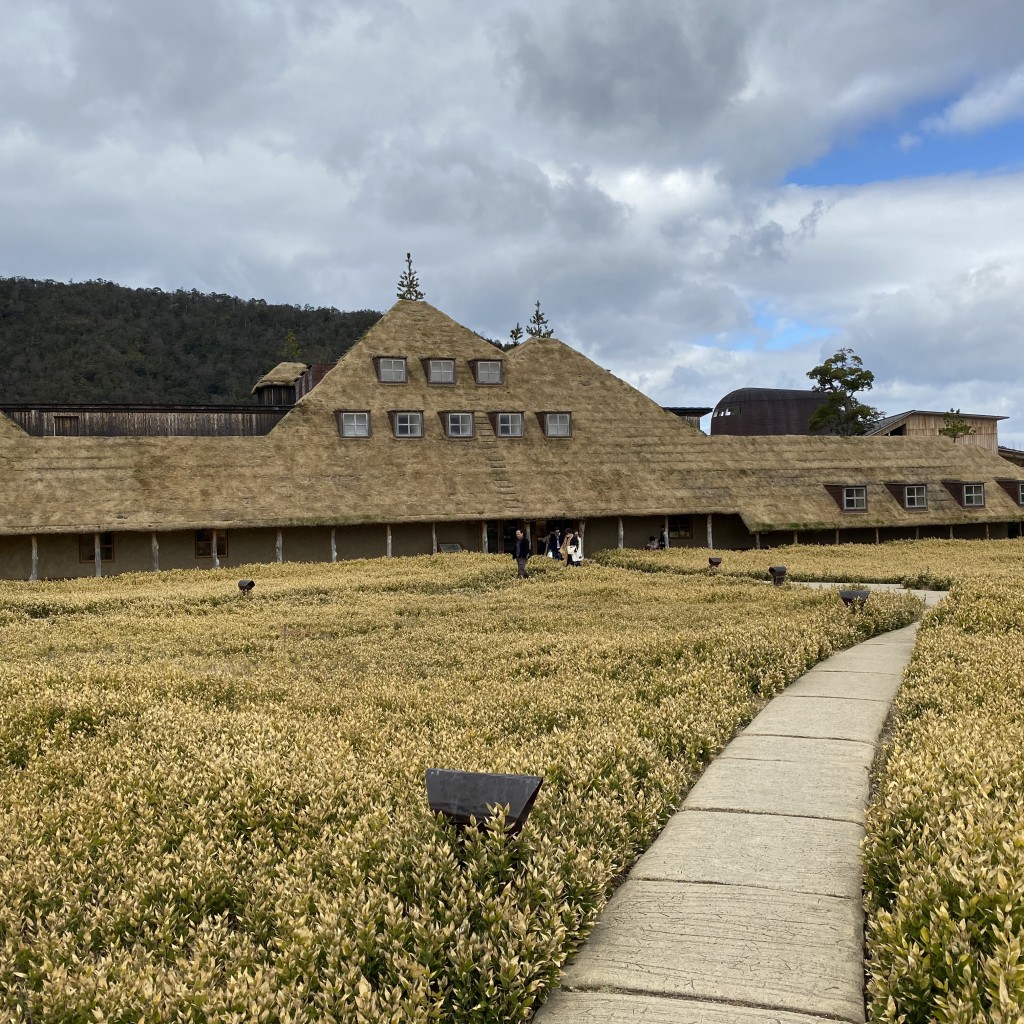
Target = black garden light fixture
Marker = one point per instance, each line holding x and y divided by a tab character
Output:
715	561
461	795
854	598
777	573
245	586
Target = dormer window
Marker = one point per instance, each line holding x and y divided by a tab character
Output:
1020	493
459	424
974	495
487	371
855	499
391	369
440	371
407	424
508	424
557	424
354	424
915	496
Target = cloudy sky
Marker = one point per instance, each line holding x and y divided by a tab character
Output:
703	194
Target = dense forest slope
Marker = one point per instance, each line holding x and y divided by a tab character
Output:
99	342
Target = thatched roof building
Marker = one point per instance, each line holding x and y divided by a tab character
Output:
424	431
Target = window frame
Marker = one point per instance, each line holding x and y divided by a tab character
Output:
917	506
477	364
87	546
464	415
680	527
342	413
850	499
428	370
379	362
980	493
497	424
66	421
394	415
545	419
204	544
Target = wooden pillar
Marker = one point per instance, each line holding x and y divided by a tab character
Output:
757	540
389	539
97	554
666	533
878	536
279	547
483	537
711	539
837	534
433	538
620	532
950	531
35	558
154	547
988	535
334	543
583	528
917	533
213	544
796	539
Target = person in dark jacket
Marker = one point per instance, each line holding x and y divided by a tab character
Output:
521	552
554	544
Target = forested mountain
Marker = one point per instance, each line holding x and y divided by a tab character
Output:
99	342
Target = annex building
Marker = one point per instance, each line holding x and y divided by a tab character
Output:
426	437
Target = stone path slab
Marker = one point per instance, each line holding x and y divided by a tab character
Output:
775	852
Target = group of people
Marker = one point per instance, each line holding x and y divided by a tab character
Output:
565	547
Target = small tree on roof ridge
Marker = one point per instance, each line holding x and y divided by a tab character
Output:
538	325
954	425
409	283
516	334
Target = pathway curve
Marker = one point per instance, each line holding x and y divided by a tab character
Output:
747	908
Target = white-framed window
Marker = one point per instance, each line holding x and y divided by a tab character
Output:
558	424
915	496
487	371
355	424
441	371
510	424
1020	494
855	499
974	495
459	424
408	424
391	370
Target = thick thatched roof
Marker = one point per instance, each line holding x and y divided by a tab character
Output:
282	375
626	456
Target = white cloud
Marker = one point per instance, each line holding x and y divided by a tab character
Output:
991	102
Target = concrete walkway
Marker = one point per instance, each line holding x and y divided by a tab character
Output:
747	908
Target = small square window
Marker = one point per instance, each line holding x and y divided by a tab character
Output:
1020	494
915	496
87	547
391	370
680	527
974	495
558	424
460	424
408	424
510	424
488	371
354	424
204	544
441	371
855	499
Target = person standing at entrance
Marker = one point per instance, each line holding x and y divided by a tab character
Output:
521	552
572	548
554	544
